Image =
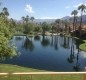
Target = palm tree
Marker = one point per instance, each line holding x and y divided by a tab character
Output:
23	18
27	19
32	18
74	13
6	14
82	8
58	24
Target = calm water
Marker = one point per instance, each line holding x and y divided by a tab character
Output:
53	53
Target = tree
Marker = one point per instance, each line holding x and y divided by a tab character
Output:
74	13
45	27
6	14
58	24
32	18
82	8
37	29
27	19
23	18
29	28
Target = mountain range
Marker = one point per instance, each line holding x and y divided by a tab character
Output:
64	18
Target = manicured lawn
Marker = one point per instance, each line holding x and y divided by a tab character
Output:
15	68
83	46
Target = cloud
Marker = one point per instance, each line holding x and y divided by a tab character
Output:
76	6
67	7
29	9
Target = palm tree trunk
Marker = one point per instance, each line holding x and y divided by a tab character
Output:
73	25
80	28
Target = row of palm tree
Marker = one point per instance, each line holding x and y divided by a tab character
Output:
82	8
27	18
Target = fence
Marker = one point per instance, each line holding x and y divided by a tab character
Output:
44	76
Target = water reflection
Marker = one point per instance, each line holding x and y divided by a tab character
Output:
28	44
71	58
51	40
18	38
44	58
66	42
77	66
37	38
45	41
56	43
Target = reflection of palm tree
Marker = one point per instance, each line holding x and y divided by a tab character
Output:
70	59
28	44
68	45
52	40
45	42
77	66
56	43
64	44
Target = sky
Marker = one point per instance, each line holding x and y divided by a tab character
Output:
41	9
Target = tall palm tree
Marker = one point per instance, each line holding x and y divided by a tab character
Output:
23	18
6	14
74	13
32	18
58	24
27	19
82	8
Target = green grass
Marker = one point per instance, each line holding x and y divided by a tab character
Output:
14	68
42	77
83	46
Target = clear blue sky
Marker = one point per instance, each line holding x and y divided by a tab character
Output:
41	8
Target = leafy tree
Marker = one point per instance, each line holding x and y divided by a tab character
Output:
29	28
45	27
37	29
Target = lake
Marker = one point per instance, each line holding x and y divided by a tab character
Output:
50	53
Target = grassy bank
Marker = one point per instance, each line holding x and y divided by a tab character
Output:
15	68
83	46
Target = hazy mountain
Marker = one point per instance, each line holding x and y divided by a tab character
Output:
66	18
44	20
78	19
53	20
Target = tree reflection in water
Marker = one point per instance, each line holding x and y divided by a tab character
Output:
45	41
65	41
28	44
51	40
37	38
77	66
56	43
18	38
72	57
